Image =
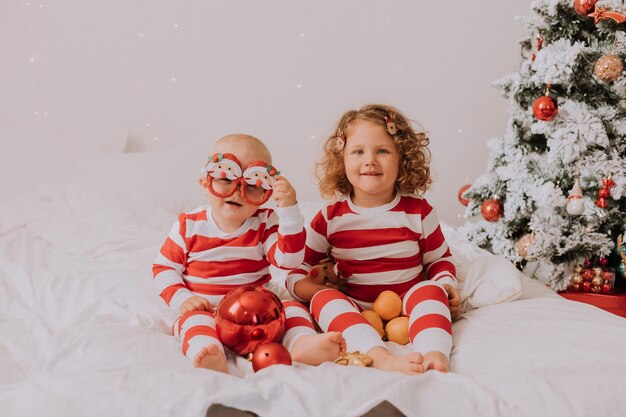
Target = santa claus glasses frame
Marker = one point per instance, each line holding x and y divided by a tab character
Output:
224	176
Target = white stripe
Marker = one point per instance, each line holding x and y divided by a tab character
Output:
427	307
430	223
175	236
237	279
435	254
228	253
332	309
196	343
389	277
197	320
165	279
433	340
162	260
293	334
293	311
316	241
362	337
387	220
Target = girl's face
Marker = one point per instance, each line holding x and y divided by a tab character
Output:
371	161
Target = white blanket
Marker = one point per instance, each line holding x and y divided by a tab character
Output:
82	332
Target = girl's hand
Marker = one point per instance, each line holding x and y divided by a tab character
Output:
454	301
195	303
284	194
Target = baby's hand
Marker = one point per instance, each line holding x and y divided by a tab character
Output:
195	303
454	301
284	194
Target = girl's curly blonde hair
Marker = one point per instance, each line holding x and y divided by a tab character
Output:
414	169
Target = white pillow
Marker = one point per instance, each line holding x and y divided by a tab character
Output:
488	280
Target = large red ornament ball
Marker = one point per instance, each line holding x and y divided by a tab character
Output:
491	210
249	316
462	200
269	354
584	7
545	108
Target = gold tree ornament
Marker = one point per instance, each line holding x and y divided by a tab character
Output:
525	243
608	68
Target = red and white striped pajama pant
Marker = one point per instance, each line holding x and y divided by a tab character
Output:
196	329
426	304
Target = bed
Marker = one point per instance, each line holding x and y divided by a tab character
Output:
82	331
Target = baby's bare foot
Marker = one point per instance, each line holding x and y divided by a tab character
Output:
410	363
313	349
437	361
211	357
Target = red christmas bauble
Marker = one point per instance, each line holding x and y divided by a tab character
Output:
584	7
249	316
604	193
462	200
545	108
491	210
269	354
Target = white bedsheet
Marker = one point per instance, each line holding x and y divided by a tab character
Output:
82	332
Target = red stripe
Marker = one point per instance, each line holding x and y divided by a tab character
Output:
345	320
319	224
293	243
433	241
182	319
292	322
338	209
209	269
350	239
313	257
322	298
429	321
195	331
172	251
371	266
199	243
368	293
157	269
199	216
426	292
441	266
413	205
169	292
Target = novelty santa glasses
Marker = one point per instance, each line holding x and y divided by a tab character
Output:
224	175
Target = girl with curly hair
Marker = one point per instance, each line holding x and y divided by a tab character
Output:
384	237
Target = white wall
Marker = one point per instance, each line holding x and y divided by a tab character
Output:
180	73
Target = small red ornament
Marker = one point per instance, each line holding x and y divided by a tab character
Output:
606	289
269	354
249	316
491	210
584	7
587	286
545	108
604	192
462	200
603	262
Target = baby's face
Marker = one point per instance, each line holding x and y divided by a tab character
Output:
231	212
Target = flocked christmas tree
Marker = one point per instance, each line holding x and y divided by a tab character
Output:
554	195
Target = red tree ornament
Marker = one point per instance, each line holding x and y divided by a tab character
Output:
462	200
269	354
584	7
604	193
249	316
545	108
491	210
